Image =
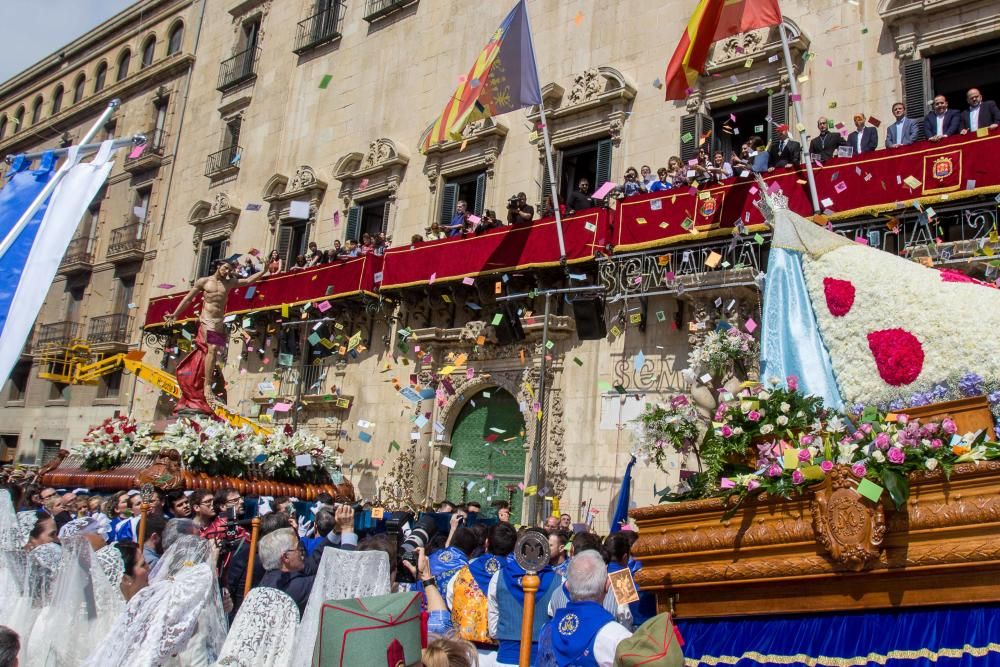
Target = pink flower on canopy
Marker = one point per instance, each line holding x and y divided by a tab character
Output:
859	470
752	484
896	455
806	440
903	419
936	443
882	440
797	477
826	466
793	383
948	426
857	436
720	412
866	428
804	455
727	432
753	416
774	470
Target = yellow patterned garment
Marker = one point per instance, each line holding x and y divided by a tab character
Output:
469	609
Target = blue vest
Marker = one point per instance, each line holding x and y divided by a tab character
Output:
445	564
574	630
512	609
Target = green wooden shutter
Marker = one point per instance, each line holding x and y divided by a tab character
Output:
449	197
353	230
777	109
689	127
387	208
204	259
285	244
916	91
706	124
477	206
546	189
602	173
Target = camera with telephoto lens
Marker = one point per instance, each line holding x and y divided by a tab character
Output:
416	538
513	202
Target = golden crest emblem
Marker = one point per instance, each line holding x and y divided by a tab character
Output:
942	168
492	566
708	207
569	624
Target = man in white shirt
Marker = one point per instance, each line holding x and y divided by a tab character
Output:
980	114
582	632
941	122
903	131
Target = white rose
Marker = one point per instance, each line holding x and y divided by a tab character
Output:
785	407
878	455
766	428
782	420
764	395
931	464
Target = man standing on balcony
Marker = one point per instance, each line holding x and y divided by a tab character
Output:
864	139
941	122
903	131
824	146
195	371
980	114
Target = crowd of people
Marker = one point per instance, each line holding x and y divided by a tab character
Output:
76	587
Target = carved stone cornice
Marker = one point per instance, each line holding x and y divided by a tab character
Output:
595	107
280	192
479	148
560	327
375	173
213	220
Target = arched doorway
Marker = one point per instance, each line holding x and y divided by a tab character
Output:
487	443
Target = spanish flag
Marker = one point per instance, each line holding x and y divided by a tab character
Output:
503	78
713	20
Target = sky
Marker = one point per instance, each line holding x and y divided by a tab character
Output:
33	29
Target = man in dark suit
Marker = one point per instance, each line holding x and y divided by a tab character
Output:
783	151
980	114
826	144
942	122
903	131
863	139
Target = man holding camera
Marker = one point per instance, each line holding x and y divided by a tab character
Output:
518	210
341	537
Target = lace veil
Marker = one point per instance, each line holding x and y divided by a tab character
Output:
84	606
263	631
342	575
9	534
36	572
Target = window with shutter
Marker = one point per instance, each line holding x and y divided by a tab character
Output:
386	209
547	182
777	109
480	199
284	244
916	91
353	231
603	170
689	130
449	197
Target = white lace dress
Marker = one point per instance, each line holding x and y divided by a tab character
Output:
263	631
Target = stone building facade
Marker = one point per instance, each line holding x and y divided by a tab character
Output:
326	103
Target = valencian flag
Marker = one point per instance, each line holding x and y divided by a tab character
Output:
503	78
713	20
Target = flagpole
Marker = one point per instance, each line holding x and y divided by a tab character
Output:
554	189
26	217
797	104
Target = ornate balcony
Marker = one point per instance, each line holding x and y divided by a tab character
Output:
128	243
319	28
151	156
376	9
239	69
57	334
79	257
110	330
223	162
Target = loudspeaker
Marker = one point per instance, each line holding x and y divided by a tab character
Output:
509	330
589	316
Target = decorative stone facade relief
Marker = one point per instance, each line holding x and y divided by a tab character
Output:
280	192
213	220
595	107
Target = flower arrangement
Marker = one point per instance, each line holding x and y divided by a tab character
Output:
209	445
662	429
283	449
719	352
112	442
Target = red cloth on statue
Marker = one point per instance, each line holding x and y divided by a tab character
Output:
191	377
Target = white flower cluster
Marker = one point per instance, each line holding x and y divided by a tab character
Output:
113	441
955	322
718	350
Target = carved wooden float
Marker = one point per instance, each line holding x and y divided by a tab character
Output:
165	472
827	550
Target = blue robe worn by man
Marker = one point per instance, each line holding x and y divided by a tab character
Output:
445	564
506	607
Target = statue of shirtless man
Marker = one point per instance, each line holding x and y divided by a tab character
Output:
214	290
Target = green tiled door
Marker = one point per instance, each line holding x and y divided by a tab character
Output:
488	440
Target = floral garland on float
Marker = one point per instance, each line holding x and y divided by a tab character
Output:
112	442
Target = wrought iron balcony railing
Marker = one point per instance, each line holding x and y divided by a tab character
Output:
130	238
319	28
109	328
220	161
80	252
58	333
241	67
376	9
155	141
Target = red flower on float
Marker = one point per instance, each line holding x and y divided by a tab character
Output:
899	356
839	296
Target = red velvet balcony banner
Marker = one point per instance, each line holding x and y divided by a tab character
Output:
527	246
323	283
869	184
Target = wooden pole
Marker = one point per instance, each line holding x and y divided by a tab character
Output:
529	583
143	512
254	533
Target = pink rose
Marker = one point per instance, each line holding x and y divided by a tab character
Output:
774	470
727	432
793	383
859	470
804	455
902	419
797	477
882	441
753	416
948	426
866	428
896	455
752	484
806	440
936	444
826	466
